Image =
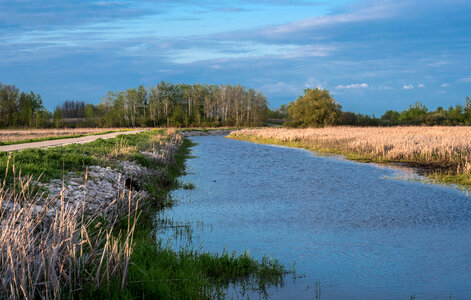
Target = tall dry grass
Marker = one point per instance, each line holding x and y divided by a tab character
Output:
164	146
444	147
44	251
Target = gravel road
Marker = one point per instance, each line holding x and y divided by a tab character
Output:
63	142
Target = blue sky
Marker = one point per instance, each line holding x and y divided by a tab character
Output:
372	55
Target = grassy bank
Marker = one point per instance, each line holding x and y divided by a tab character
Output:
159	272
72	255
441	153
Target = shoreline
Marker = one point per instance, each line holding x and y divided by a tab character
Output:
432	171
101	217
205	132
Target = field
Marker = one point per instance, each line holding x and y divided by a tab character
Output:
441	152
15	136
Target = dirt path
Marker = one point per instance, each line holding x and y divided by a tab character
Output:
63	142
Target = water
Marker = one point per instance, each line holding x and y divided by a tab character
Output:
353	228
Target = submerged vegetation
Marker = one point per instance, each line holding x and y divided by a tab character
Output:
444	153
69	252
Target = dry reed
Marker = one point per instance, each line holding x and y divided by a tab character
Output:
445	148
43	251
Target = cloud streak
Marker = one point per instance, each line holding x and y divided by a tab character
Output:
352	86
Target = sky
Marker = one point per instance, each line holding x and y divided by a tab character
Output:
371	55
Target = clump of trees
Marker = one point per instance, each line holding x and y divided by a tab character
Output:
168	104
316	108
415	114
419	114
164	104
279	113
21	109
73	109
74	113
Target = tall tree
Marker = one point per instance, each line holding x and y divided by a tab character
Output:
57	117
316	108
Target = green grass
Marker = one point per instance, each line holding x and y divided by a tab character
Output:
57	161
157	272
459	179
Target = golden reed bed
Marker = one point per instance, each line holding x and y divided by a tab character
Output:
445	148
26	134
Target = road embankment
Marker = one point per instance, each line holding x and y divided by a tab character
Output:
64	142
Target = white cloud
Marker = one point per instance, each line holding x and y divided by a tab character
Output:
466	79
246	50
385	87
421	85
372	12
408	87
445	85
353	86
280	88
312	82
303	51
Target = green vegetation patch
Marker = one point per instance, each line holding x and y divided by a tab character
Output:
55	162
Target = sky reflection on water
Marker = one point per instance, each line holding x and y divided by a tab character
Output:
352	227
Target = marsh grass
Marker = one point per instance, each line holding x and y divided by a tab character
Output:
188	186
443	153
45	251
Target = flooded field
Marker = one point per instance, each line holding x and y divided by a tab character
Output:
354	231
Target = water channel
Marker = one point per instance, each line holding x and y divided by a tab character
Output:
359	231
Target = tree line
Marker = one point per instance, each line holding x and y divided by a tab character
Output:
317	108
168	104
165	104
21	109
